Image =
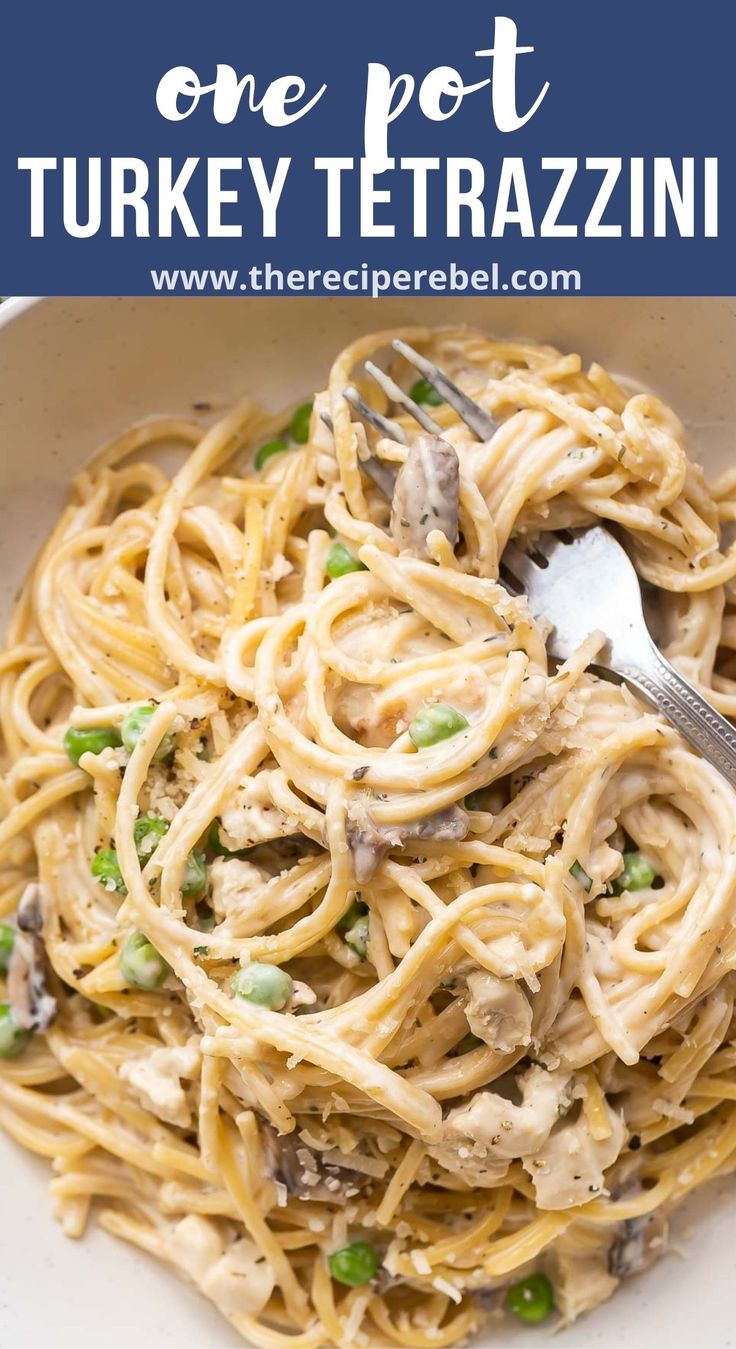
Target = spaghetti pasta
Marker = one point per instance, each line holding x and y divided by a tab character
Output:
355	927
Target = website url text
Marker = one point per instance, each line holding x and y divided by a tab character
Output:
364	280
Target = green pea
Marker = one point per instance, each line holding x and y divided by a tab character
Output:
135	723
7	942
638	873
148	831
424	392
266	985
299	424
195	876
267	452
531	1299
357	910
358	935
340	561
435	722
354	1264
581	876
12	1039
140	963
80	740
106	869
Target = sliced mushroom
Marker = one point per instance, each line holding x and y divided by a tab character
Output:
637	1244
452	824
30	909
304	1172
369	843
426	495
34	1008
368	846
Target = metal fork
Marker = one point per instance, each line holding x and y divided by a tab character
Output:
480	422
580	586
589	584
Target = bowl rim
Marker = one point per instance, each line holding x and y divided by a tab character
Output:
15	305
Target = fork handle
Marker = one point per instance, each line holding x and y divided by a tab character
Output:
682	705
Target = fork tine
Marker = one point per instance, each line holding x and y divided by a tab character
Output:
379	473
548	544
519	564
398	395
481	423
508	581
369	414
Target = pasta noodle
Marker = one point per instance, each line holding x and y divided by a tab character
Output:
376	961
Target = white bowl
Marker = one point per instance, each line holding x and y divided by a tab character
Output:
73	372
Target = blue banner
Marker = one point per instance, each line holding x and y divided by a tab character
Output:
289	148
